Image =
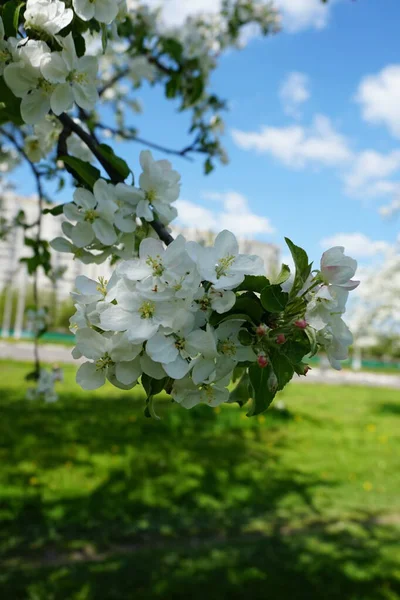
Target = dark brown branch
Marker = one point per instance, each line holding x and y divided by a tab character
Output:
87	138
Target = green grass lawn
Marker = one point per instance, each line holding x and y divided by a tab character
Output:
99	503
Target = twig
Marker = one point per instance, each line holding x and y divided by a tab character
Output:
135	138
119	75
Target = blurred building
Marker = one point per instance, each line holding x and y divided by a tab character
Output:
14	279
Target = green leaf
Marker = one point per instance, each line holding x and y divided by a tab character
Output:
80	44
82	170
296	349
172	86
9	105
115	161
303	268
208	166
273	299
241	393
153	386
56	211
282	367
215	318
253	283
10	15
312	336
283	275
104	37
245	337
249	305
172	47
196	88
262	395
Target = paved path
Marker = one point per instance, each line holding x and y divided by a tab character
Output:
55	353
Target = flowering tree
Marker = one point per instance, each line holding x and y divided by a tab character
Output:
175	315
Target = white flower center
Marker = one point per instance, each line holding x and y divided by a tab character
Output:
209	392
151	195
156	264
223	265
102	286
147	310
45	86
180	343
77	77
90	215
227	347
104	362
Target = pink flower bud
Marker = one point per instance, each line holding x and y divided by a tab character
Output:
280	339
261	330
262	360
301	323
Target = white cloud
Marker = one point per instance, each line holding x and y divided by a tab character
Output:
391	209
303	14
294	92
175	12
296	146
296	14
369	170
233	213
356	244
379	97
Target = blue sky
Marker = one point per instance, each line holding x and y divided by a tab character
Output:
312	132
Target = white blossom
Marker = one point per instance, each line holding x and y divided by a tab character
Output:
75	77
222	264
5	52
47	16
113	353
104	11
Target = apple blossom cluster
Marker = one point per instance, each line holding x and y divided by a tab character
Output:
190	319
105	221
183	318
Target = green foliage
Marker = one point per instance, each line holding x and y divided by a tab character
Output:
274	299
56	211
152	387
303	268
83	171
253	283
283	275
242	391
9	105
41	255
11	16
262	393
115	161
282	367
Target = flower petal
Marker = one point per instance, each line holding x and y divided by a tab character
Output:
89	378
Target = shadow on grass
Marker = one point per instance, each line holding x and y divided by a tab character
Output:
390	409
101	504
